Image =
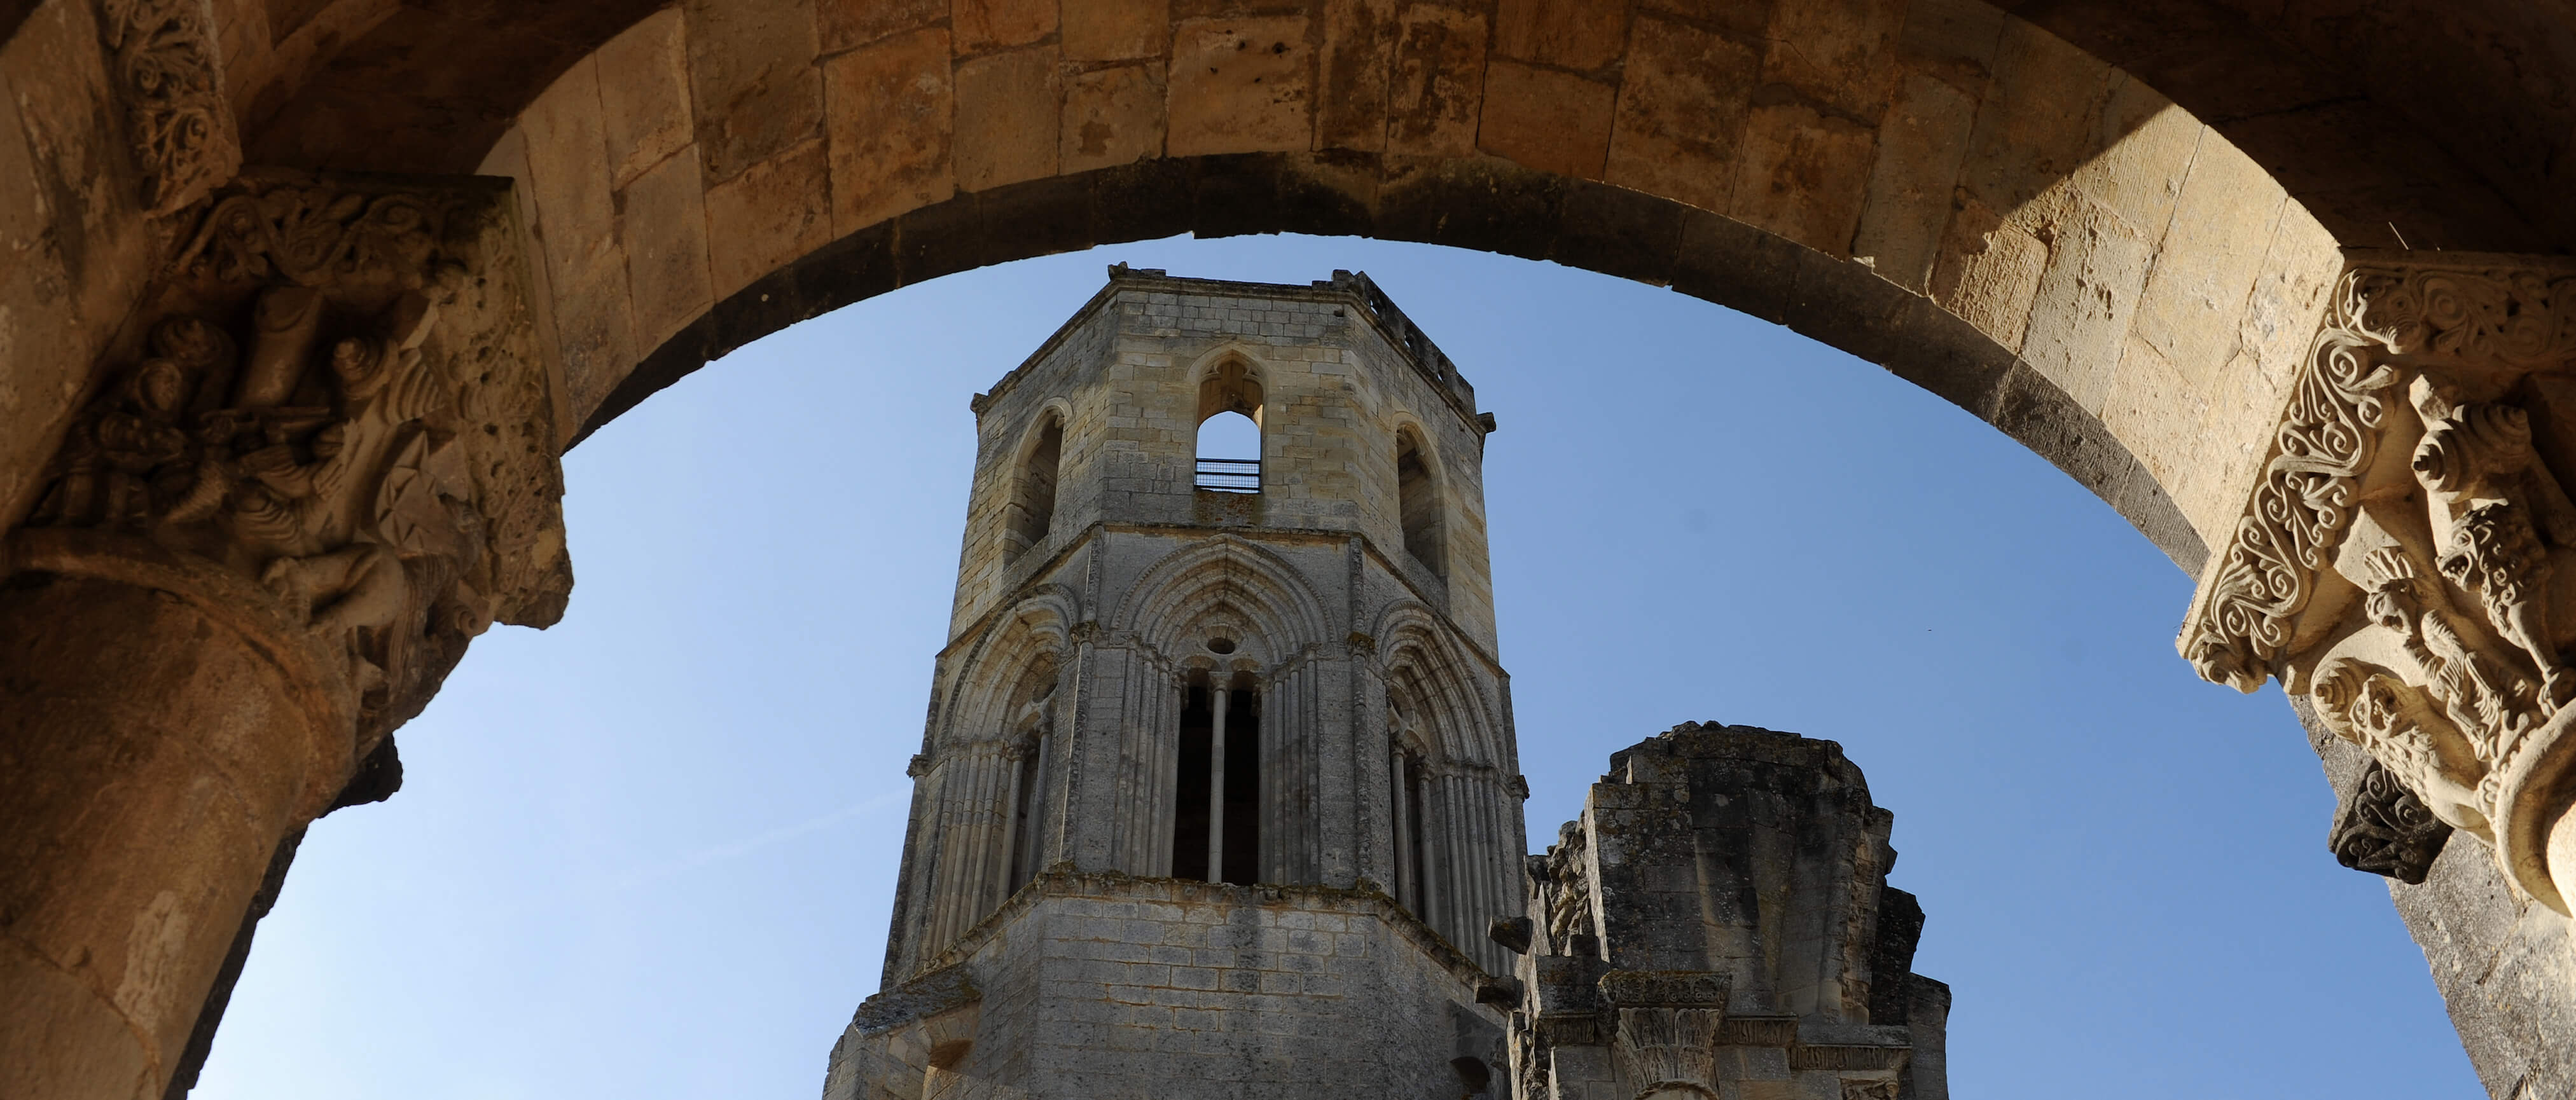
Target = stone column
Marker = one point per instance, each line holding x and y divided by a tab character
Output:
324	463
1221	698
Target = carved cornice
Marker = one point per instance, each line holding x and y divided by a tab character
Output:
165	64
340	399
2470	310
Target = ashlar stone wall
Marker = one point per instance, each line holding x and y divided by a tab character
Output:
1103	987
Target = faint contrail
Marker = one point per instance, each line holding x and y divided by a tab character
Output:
703	856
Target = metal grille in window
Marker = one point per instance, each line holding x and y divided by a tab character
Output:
1230	475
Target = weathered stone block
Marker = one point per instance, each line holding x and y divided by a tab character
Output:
1240	85
1581	34
892	109
981	26
644	95
1116	30
1351	101
1921	144
1112	116
1835	55
1009	109
766	216
1681	113
1438	82
2224	221
1545	119
663	231
752	81
849	24
1803	175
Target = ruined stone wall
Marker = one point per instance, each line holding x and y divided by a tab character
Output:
1719	922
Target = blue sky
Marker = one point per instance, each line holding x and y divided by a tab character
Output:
649	853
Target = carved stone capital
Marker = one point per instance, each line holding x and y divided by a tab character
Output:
2407	559
1666	1027
337	399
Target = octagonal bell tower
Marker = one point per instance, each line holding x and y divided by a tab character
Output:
1219	789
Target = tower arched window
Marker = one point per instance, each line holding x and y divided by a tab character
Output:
1229	436
1418	502
1216	824
1032	511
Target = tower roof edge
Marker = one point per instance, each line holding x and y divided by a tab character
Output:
1354	287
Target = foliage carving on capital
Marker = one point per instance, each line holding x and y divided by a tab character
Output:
164	60
2408	559
352	413
1669	1025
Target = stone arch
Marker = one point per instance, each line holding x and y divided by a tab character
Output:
1930	208
1422	663
1421	498
1230	580
981	694
2095	271
1230	378
962	855
1036	475
1453	814
1230	382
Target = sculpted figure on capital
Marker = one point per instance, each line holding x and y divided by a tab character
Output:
333	479
339	402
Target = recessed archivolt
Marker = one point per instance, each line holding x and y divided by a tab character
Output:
1428	685
1229	583
1013	670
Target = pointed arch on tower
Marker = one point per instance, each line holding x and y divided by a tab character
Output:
1225	365
995	678
992	755
1037	472
1452	824
1224	581
1424	668
1421	495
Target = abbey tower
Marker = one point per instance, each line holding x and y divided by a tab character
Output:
1218	793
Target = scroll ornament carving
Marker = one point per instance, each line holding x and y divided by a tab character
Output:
2409	558
164	58
391	486
2385	830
